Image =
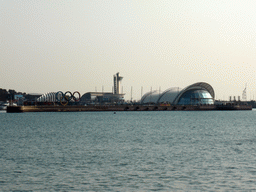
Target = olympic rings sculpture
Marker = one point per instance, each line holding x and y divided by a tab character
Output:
66	97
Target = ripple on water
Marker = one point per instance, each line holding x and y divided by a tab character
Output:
145	151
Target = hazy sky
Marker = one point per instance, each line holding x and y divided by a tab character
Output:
79	45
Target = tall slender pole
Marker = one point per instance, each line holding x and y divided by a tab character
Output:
150	93
159	93
131	93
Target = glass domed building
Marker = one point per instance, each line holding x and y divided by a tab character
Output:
195	94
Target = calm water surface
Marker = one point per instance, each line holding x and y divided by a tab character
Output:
128	151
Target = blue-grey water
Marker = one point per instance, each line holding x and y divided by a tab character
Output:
128	151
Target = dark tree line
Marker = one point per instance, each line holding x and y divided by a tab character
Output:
8	95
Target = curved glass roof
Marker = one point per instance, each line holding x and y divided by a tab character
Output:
196	97
150	97
174	94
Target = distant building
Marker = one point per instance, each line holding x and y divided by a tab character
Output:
89	97
106	97
101	97
32	96
18	97
198	93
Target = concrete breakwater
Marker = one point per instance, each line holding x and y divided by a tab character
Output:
17	109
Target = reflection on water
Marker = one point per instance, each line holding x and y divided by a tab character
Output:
103	151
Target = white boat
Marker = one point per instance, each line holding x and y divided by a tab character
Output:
3	106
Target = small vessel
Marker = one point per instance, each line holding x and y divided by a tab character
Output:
3	106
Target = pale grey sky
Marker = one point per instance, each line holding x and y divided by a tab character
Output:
79	45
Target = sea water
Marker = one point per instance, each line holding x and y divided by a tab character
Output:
128	151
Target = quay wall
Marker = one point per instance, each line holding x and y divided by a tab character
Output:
13	109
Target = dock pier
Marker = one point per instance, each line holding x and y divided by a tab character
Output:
91	108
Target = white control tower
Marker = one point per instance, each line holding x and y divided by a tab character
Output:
117	81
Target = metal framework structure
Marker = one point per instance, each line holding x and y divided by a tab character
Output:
61	97
47	97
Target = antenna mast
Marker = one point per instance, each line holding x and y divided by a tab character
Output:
244	95
131	93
